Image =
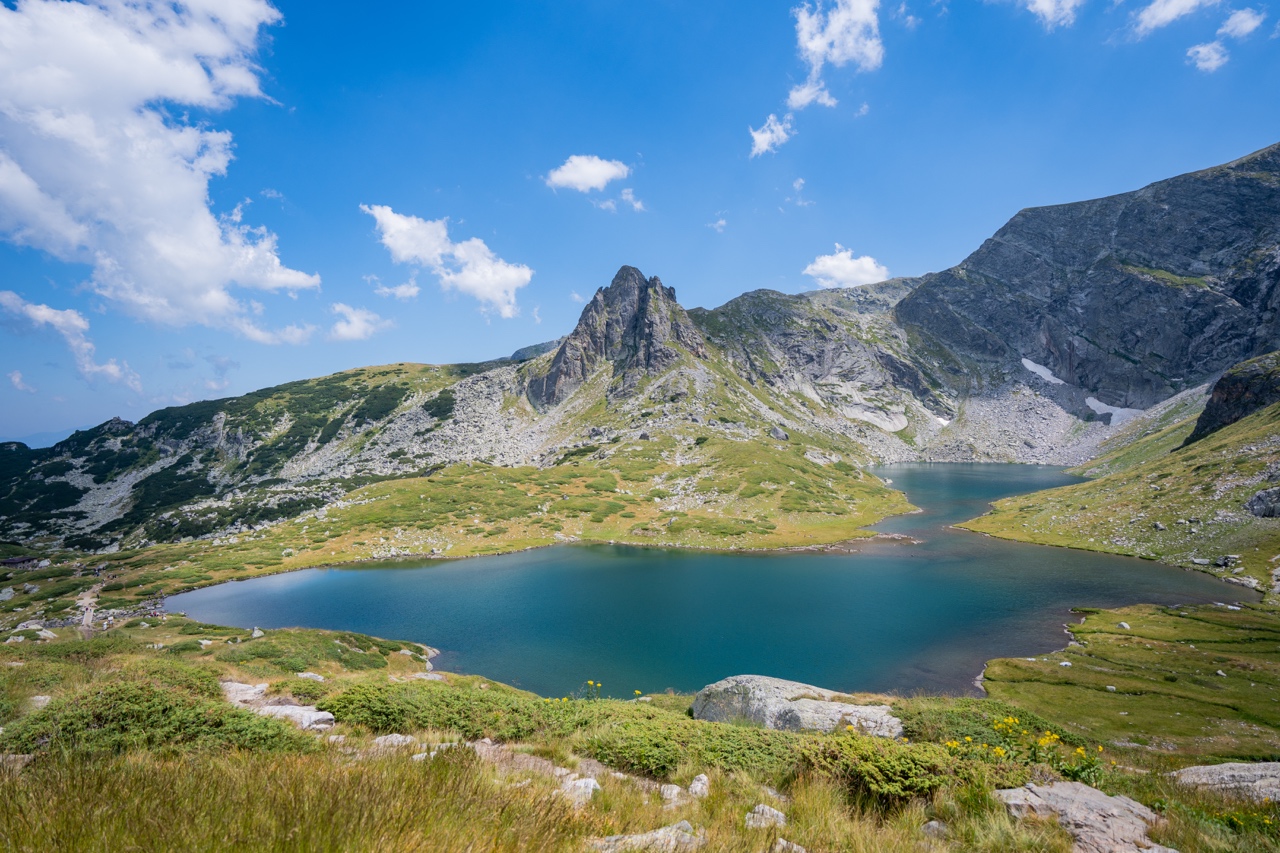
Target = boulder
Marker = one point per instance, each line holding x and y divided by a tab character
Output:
789	705
395	741
311	676
1255	780
243	694
763	817
782	845
1265	504
779	433
303	716
678	836
257	632
1098	823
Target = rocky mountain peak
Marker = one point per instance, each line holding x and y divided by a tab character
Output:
635	324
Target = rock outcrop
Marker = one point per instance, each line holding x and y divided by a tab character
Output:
789	705
1256	780
635	324
1246	388
1097	822
1132	298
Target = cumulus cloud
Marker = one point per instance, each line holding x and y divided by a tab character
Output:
718	226
629	196
1161	13
74	329
15	379
1054	13
403	292
355	324
96	166
849	31
575	296
1208	57
468	267
842	269
770	135
586	172
1241	23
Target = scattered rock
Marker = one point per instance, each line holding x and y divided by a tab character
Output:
1158	526
1255	780
779	434
6	593
700	787
678	836
337	738
1097	822
1065	663
1200	561
311	676
935	829
38	702
644	436
580	791
1111	688
789	705
671	794
782	845
243	694
204	644
1221	673
394	741
14	762
763	817
1125	625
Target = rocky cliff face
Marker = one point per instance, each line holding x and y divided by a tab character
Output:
1131	298
1242	390
634	325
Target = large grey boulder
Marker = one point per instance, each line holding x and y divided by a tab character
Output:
1265	504
789	705
1097	822
307	717
1255	780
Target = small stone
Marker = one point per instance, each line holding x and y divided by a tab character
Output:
1124	625
204	644
1200	561
1111	689
1220	672
779	434
935	829
580	791
257	632
700	787
38	702
782	845
336	738
311	676
1158	526
763	817
394	741
1065	663
671	793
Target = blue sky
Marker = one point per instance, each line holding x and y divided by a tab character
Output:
201	199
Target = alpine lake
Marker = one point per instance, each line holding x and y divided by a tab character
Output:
894	616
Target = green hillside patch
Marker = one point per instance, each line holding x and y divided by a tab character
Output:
1177	505
1169	696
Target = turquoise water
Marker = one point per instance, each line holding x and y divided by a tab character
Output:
894	617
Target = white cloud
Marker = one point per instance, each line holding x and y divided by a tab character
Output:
586	172
469	267
862	110
718	226
608	204
1208	57
97	167
847	32
74	329
575	296
15	379
629	196
842	269
771	135
798	199
1054	13
1241	23
537	316
355	324
403	292
1161	13
909	20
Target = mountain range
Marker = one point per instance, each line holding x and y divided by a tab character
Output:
1061	332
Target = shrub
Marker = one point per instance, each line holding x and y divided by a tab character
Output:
138	715
657	746
887	770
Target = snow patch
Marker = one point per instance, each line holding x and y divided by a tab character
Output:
1043	372
1118	416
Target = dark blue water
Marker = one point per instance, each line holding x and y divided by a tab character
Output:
894	617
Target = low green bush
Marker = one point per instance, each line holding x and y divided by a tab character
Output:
138	715
887	770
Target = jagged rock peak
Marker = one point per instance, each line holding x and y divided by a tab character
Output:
635	324
1244	389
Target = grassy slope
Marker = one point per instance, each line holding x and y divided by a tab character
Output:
1196	493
